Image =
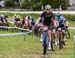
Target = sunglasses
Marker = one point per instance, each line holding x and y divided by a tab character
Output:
47	9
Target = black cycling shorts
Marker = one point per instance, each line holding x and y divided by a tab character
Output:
51	27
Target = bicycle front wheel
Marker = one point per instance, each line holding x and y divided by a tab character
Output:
67	34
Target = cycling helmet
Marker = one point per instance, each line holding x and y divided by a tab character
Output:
47	6
58	14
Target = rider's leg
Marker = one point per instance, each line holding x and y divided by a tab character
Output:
41	37
63	31
55	36
49	33
54	33
41	34
58	30
63	37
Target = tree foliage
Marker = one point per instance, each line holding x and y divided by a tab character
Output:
9	3
55	3
26	4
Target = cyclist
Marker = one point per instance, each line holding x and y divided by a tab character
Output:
32	23
66	23
2	19
6	20
26	22
16	19
46	19
62	23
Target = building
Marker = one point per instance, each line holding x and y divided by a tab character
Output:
71	2
2	3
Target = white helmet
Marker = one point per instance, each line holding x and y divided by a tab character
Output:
58	14
47	6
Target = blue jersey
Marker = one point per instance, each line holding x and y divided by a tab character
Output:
61	20
32	22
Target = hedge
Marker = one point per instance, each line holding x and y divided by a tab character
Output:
70	17
9	4
55	3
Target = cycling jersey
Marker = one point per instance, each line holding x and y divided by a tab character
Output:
25	20
61	20
33	22
46	18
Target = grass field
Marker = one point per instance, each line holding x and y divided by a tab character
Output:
16	47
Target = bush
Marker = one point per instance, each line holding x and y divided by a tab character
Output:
55	3
27	5
37	6
9	4
64	4
70	17
17	5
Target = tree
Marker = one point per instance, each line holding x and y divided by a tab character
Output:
64	4
55	3
27	4
9	3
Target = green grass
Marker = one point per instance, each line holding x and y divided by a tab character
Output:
72	23
16	47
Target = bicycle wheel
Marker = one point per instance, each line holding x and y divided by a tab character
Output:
44	44
63	37
60	40
67	34
52	40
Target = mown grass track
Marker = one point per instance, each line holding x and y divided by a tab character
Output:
16	47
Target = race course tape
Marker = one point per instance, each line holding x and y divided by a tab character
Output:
14	28
12	34
20	33
25	29
72	28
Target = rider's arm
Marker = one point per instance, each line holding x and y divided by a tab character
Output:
57	22
40	19
37	21
63	18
